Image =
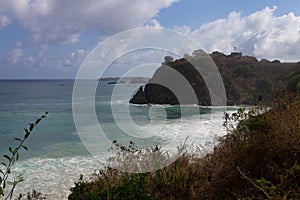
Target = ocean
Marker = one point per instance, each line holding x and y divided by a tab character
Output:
57	155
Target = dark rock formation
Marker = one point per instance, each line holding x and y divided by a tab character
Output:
139	97
245	79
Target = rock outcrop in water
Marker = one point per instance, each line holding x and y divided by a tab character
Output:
245	79
140	97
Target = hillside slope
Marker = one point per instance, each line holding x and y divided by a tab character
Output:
245	79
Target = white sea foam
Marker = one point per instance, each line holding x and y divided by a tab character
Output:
55	177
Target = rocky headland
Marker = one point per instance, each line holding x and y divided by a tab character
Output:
246	80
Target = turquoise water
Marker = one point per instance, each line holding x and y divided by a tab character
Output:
23	101
56	153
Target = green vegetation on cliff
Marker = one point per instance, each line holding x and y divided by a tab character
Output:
245	79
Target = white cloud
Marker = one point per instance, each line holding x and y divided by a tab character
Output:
19	44
131	61
75	58
31	59
14	56
183	29
59	21
4	21
43	49
78	56
261	34
154	23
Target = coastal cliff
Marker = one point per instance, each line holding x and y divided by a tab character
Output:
246	80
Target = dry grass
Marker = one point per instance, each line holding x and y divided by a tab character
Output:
259	159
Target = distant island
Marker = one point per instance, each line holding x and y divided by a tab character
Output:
246	79
124	80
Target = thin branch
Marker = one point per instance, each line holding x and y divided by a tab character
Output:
252	182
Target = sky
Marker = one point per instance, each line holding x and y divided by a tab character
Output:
49	39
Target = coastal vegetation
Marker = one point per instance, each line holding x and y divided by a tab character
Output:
258	158
245	79
7	186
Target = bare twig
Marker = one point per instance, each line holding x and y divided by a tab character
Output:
255	185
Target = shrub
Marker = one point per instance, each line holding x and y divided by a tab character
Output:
244	71
172	182
292	84
259	153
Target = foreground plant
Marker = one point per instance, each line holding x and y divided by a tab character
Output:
172	182
259	158
11	159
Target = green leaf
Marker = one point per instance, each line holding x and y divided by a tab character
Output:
7	157
45	115
11	150
4	184
20	196
1	192
1	172
24	147
18	139
17	158
4	164
27	133
31	126
38	121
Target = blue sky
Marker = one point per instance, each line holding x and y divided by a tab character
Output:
50	38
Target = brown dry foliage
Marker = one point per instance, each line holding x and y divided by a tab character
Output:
264	147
